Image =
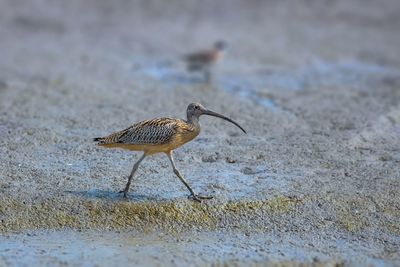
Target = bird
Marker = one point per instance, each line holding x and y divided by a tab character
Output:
162	135
203	61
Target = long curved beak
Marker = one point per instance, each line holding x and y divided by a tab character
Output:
215	114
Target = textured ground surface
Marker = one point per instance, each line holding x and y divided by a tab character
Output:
315	83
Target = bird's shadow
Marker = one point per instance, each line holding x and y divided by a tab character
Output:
112	195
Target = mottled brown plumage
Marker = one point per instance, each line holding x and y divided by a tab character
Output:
203	58
202	61
160	135
152	136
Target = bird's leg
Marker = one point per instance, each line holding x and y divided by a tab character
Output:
177	173
135	167
207	75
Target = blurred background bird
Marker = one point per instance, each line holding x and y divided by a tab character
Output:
204	61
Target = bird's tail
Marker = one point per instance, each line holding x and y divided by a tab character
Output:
98	139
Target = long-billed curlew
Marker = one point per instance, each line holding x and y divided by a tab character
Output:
161	135
203	61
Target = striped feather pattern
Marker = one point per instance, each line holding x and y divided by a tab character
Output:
149	132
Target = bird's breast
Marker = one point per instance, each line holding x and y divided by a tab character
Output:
183	137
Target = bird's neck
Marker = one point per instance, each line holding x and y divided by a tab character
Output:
194	121
218	54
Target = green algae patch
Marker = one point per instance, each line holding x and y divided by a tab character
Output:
356	214
393	227
65	219
352	213
81	213
122	214
277	205
352	222
282	204
391	213
17	216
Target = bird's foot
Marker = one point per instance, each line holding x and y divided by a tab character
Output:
125	193
199	198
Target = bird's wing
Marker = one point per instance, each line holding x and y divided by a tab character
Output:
201	57
152	132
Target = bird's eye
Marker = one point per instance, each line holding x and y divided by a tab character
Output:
196	107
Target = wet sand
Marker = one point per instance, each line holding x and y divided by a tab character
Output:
95	248
315	180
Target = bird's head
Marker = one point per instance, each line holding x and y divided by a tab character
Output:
195	110
221	46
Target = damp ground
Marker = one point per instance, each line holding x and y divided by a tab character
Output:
72	248
315	181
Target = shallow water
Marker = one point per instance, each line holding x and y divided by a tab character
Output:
93	248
